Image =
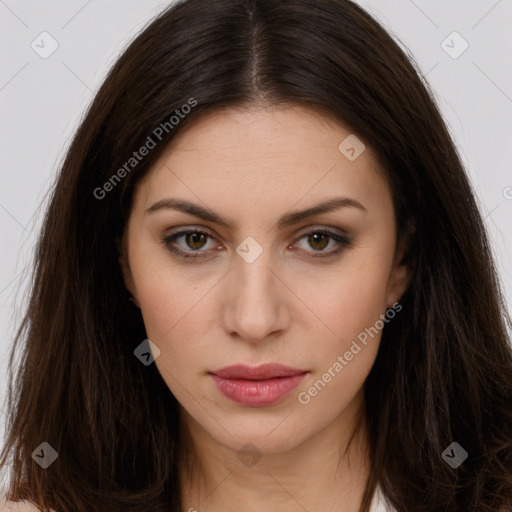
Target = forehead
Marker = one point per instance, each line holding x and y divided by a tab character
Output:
259	157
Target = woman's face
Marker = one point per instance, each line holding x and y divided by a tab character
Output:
266	280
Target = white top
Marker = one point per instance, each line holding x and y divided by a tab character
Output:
23	506
378	503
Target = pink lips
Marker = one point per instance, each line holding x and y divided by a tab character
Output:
257	386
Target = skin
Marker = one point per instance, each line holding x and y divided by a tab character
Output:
251	167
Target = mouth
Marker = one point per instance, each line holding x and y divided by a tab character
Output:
257	386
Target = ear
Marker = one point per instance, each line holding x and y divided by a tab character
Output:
401	272
125	270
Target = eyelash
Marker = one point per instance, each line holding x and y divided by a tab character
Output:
341	240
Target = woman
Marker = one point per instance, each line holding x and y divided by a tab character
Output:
263	266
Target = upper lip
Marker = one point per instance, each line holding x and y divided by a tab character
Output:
262	372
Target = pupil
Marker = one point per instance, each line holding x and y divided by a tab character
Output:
196	238
315	241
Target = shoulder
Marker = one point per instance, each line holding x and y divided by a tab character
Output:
16	506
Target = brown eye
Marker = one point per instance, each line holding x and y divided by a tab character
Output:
322	242
195	240
189	244
318	241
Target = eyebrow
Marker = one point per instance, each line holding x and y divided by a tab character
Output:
289	219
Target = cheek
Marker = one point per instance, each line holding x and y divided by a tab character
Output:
176	321
171	303
350	300
349	304
174	314
343	360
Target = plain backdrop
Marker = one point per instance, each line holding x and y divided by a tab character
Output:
42	100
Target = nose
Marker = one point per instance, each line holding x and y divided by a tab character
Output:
255	305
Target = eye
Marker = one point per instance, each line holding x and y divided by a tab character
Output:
320	240
193	241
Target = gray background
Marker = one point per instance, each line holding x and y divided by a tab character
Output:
42	100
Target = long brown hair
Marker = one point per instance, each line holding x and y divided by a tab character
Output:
444	368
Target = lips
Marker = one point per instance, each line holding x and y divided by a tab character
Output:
257	386
263	372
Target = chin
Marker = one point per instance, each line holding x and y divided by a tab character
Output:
269	429
261	442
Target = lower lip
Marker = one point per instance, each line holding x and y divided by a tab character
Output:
257	393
